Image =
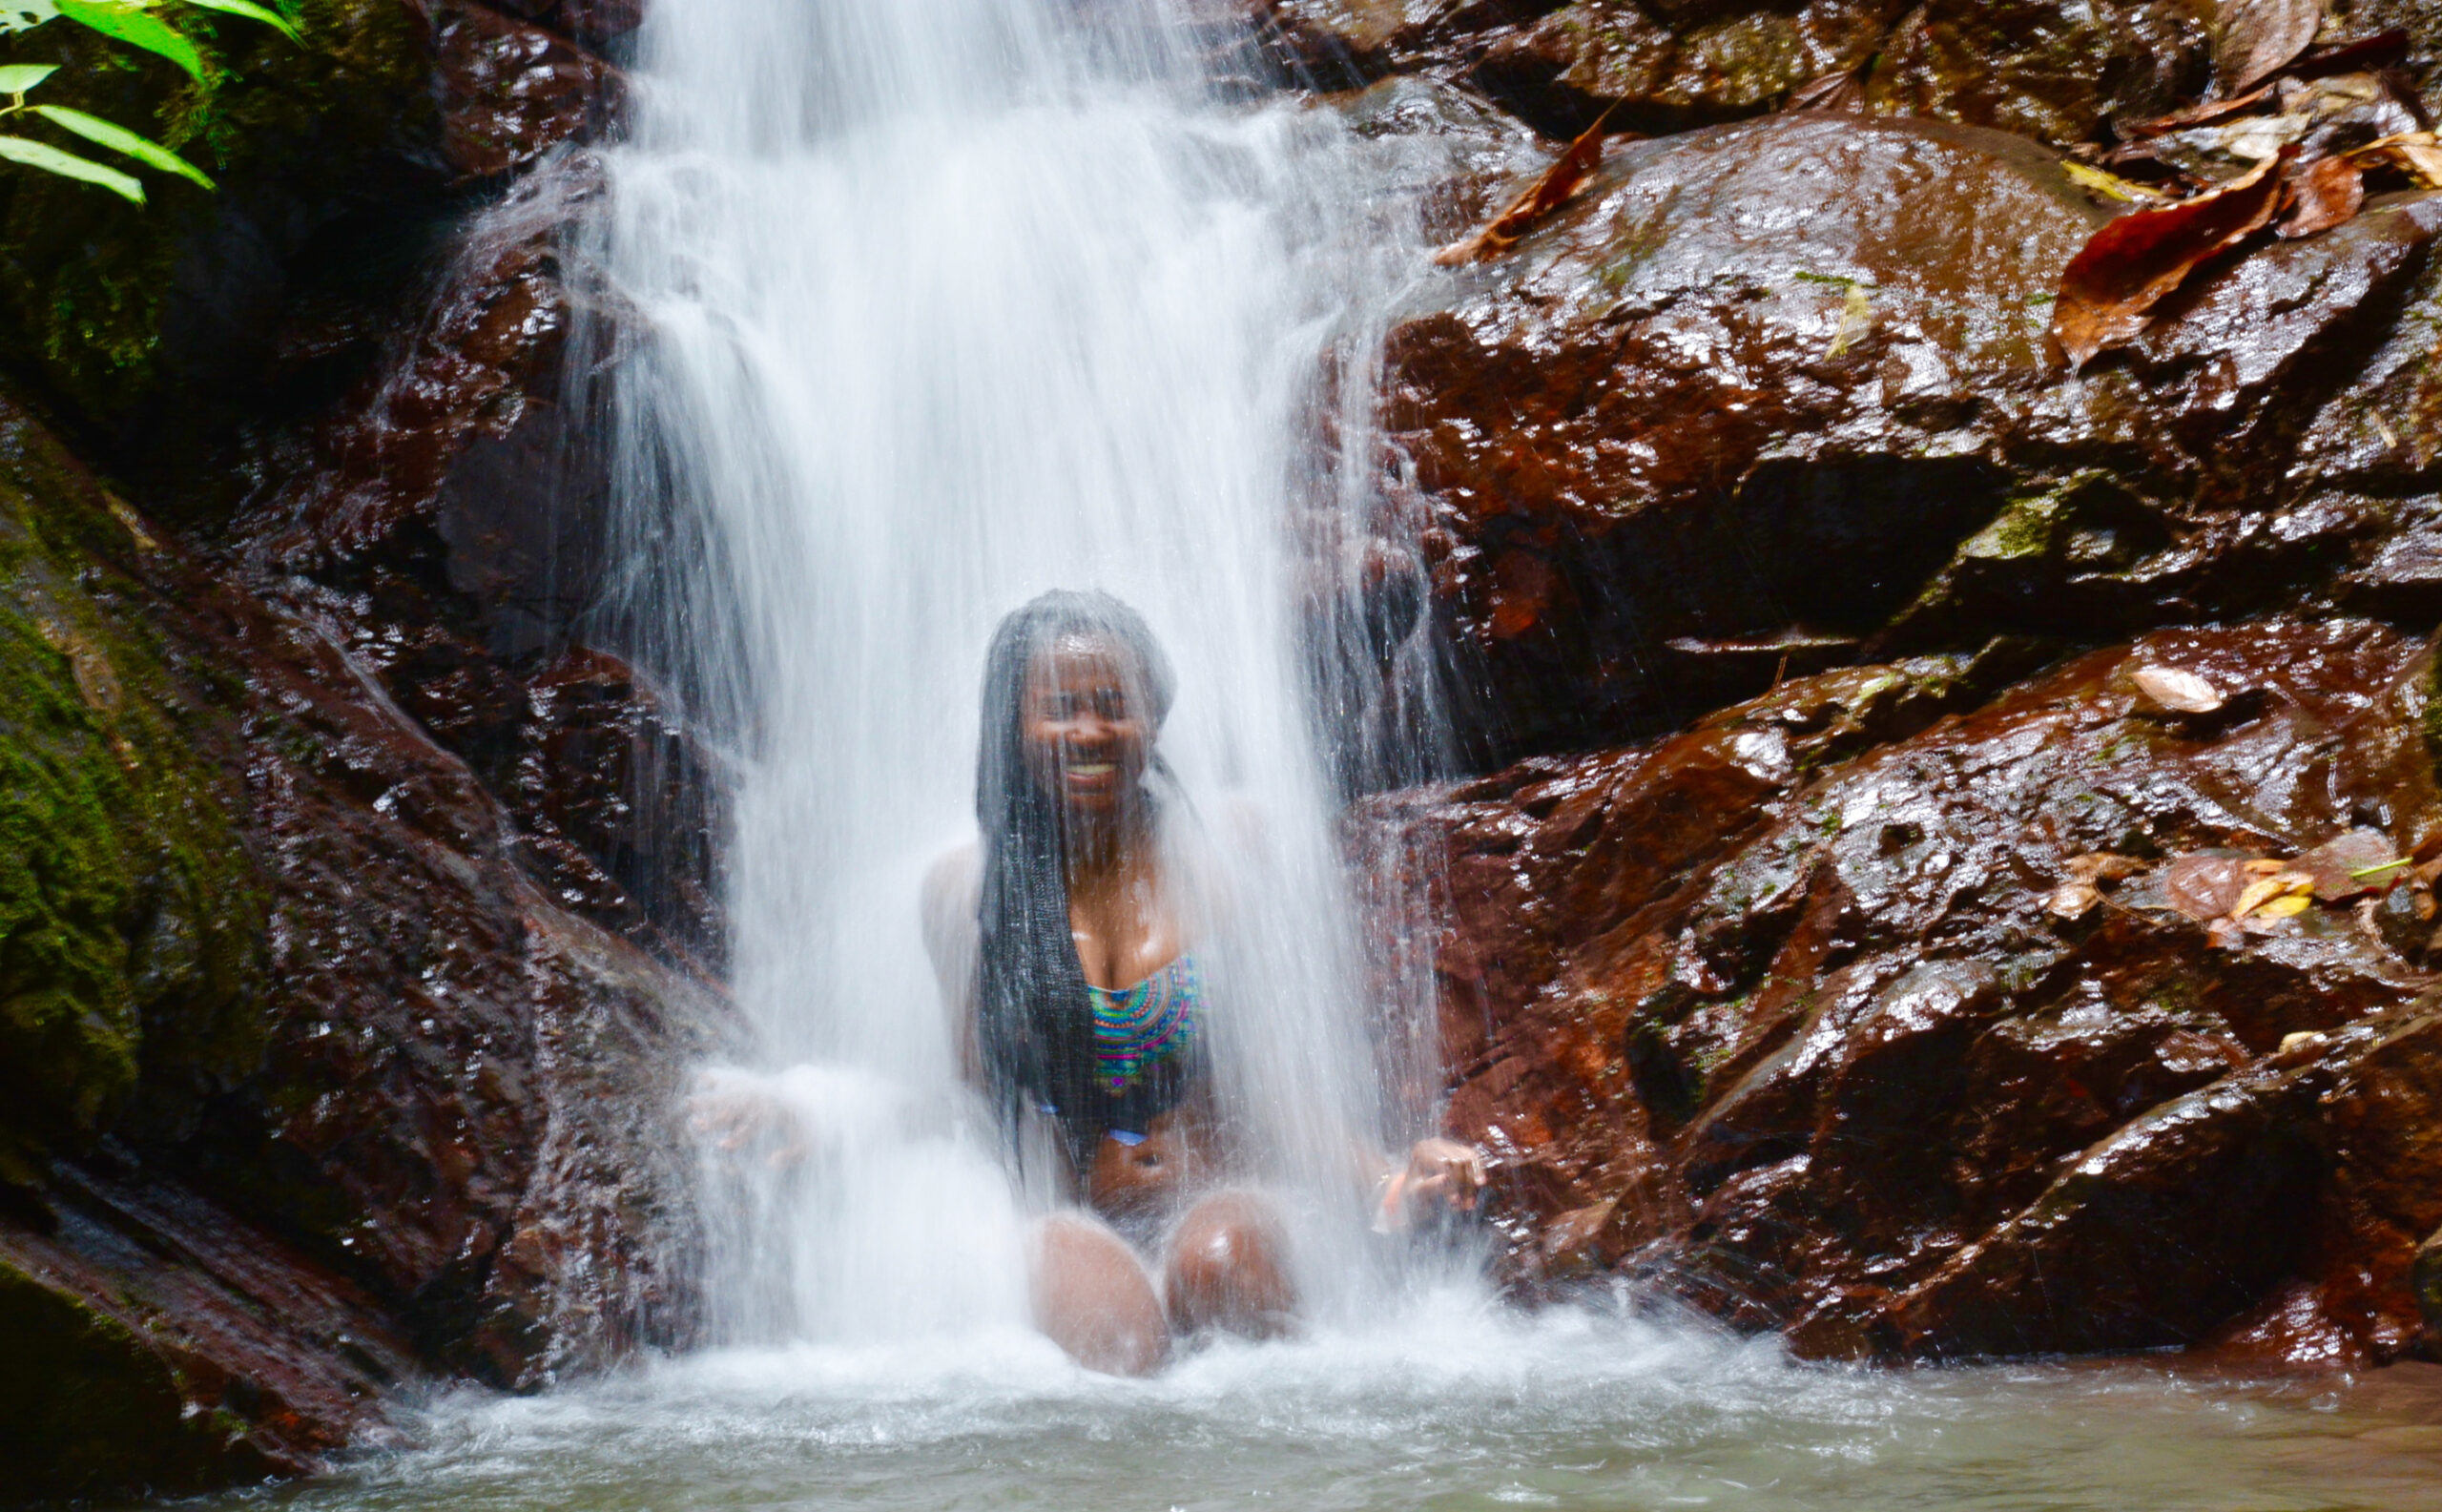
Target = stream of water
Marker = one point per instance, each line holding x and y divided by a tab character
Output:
939	303
1446	1405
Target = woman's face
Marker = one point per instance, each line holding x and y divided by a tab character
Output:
1083	725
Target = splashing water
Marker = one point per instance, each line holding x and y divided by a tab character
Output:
941	303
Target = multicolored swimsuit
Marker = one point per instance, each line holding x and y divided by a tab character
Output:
1144	1039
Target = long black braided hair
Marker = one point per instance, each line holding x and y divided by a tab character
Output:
1035	1025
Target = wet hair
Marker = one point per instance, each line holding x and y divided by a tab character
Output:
1035	1025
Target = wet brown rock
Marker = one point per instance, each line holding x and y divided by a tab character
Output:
466	1088
1852	1079
616	796
441	1137
1590	420
511	91
1749	351
1666	67
157	1344
2059	73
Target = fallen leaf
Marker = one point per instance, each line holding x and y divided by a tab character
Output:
2289	905
2256	39
2360	860
2299	1040
2265	868
2226	933
2103	866
1843	93
2325	194
2174	690
2379	51
2109	184
2073	899
2204	115
2416	153
1539	200
2265	891
1856	318
2129	265
2204	887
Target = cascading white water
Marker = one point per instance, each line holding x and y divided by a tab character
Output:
941	303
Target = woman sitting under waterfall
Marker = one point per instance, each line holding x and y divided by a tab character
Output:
1067	940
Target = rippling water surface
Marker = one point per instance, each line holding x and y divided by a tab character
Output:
1452	1405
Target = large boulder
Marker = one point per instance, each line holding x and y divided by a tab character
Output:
1777	395
2052	70
292	1016
1808	1014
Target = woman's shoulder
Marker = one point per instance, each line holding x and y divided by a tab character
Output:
955	881
953	887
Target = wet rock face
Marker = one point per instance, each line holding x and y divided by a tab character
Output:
1788	1012
329	1035
2054	72
1777	395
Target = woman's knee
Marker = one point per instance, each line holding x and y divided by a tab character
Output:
1091	1295
1228	1268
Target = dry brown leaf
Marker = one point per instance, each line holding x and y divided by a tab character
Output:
2103	866
2072	899
2418	154
1540	199
2325	194
2226	933
2378	51
2174	690
2359	861
2204	887
2256	39
2204	115
2129	265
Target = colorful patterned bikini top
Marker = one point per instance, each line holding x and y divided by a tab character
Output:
1143	1036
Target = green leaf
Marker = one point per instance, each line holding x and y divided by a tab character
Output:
252	12
24	15
18	77
68	165
119	139
134	25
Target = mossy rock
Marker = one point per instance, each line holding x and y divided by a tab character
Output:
130	915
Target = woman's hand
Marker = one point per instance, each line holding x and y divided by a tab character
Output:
737	1116
1442	1175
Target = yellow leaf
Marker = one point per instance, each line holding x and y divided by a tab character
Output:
2112	185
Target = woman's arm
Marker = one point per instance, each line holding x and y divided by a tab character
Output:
952	889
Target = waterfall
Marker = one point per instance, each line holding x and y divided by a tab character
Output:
934	304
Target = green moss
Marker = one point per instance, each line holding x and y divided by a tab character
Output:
2026	528
131	917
